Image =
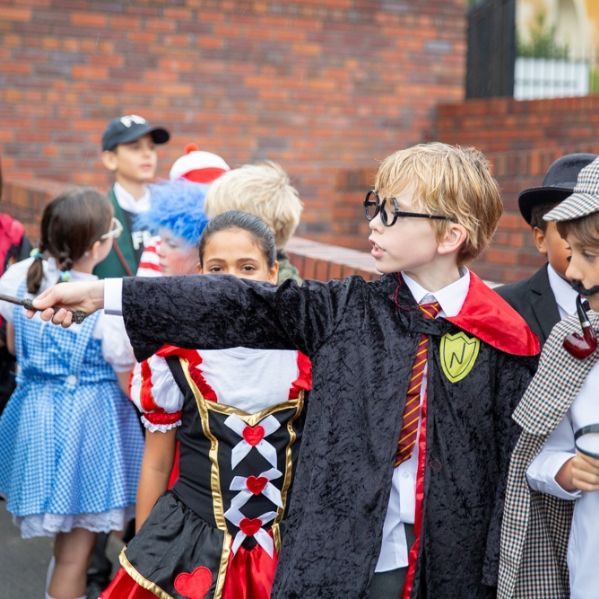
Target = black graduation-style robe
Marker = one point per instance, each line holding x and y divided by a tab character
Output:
361	337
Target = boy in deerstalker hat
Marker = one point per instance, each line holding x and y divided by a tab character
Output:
547	297
549	544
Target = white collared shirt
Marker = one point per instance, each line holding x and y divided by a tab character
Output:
129	203
565	296
402	499
583	544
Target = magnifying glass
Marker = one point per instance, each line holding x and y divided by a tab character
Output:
586	440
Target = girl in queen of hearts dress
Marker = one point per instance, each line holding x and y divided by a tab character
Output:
70	442
237	413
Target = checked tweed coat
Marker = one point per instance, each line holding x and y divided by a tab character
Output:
535	530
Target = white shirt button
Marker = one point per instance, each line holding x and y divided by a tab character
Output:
72	380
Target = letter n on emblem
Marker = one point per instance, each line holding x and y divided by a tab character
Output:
458	355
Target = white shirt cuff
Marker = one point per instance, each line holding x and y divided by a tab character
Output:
113	296
543	470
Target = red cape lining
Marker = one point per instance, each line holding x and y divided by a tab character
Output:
486	315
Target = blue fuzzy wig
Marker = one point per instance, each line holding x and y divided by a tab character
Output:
177	206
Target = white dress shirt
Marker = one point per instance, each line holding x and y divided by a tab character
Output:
402	500
565	296
583	544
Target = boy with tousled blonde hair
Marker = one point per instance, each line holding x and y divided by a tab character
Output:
451	180
399	487
263	189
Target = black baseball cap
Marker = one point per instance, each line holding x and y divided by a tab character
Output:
130	127
558	183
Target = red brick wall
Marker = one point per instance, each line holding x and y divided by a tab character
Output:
323	87
521	139
27	199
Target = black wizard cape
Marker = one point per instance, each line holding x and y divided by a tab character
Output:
361	337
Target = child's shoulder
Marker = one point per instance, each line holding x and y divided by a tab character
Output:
15	274
491	319
558	370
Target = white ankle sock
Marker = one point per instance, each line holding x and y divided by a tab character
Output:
49	573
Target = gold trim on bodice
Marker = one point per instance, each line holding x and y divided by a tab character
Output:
253	419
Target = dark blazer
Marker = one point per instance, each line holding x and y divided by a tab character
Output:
533	299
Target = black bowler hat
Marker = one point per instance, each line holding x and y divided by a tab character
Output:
129	128
558	184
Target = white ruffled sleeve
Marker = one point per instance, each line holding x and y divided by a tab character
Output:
156	394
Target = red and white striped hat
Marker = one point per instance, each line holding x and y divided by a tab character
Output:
198	166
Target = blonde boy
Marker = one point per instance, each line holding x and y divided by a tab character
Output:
262	189
399	487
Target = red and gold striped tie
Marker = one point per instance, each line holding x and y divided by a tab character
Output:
411	413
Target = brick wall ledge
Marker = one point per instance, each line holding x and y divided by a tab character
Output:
321	261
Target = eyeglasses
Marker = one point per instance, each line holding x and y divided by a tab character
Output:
116	228
373	206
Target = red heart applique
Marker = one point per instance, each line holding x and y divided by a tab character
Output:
256	484
250	526
253	434
194	585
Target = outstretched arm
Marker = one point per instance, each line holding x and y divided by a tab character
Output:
213	312
222	311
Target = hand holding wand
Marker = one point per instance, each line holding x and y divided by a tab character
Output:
78	315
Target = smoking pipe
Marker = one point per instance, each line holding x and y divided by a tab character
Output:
581	346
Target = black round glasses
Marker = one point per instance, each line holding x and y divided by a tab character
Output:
373	205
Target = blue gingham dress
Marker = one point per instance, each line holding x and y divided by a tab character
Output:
70	441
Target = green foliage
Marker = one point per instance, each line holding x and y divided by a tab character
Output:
594	81
542	42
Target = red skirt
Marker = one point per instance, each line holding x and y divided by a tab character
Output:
175	535
250	575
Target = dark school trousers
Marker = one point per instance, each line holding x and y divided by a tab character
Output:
389	584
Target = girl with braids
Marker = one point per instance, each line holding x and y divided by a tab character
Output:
70	441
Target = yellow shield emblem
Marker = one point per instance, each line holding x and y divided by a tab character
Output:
458	355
